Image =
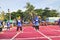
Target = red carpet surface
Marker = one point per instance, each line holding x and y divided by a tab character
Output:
50	32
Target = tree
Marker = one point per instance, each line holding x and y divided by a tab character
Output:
53	13
49	13
30	10
13	15
7	16
19	13
39	12
2	16
44	13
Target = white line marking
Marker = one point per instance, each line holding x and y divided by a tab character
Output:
34	38
37	37
44	35
15	36
31	38
54	36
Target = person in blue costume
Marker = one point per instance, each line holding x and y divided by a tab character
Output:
19	24
8	25
36	23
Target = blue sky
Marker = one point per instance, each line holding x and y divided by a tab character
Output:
14	5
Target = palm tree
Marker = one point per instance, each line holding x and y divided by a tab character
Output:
30	9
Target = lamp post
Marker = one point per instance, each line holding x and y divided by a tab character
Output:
9	14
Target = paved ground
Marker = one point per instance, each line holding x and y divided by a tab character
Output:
50	32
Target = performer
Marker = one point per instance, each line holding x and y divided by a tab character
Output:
19	24
8	25
36	23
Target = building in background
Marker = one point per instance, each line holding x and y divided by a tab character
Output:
52	19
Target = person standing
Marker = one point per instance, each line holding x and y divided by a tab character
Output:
36	24
8	25
19	24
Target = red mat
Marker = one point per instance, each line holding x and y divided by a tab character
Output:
30	34
7	34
